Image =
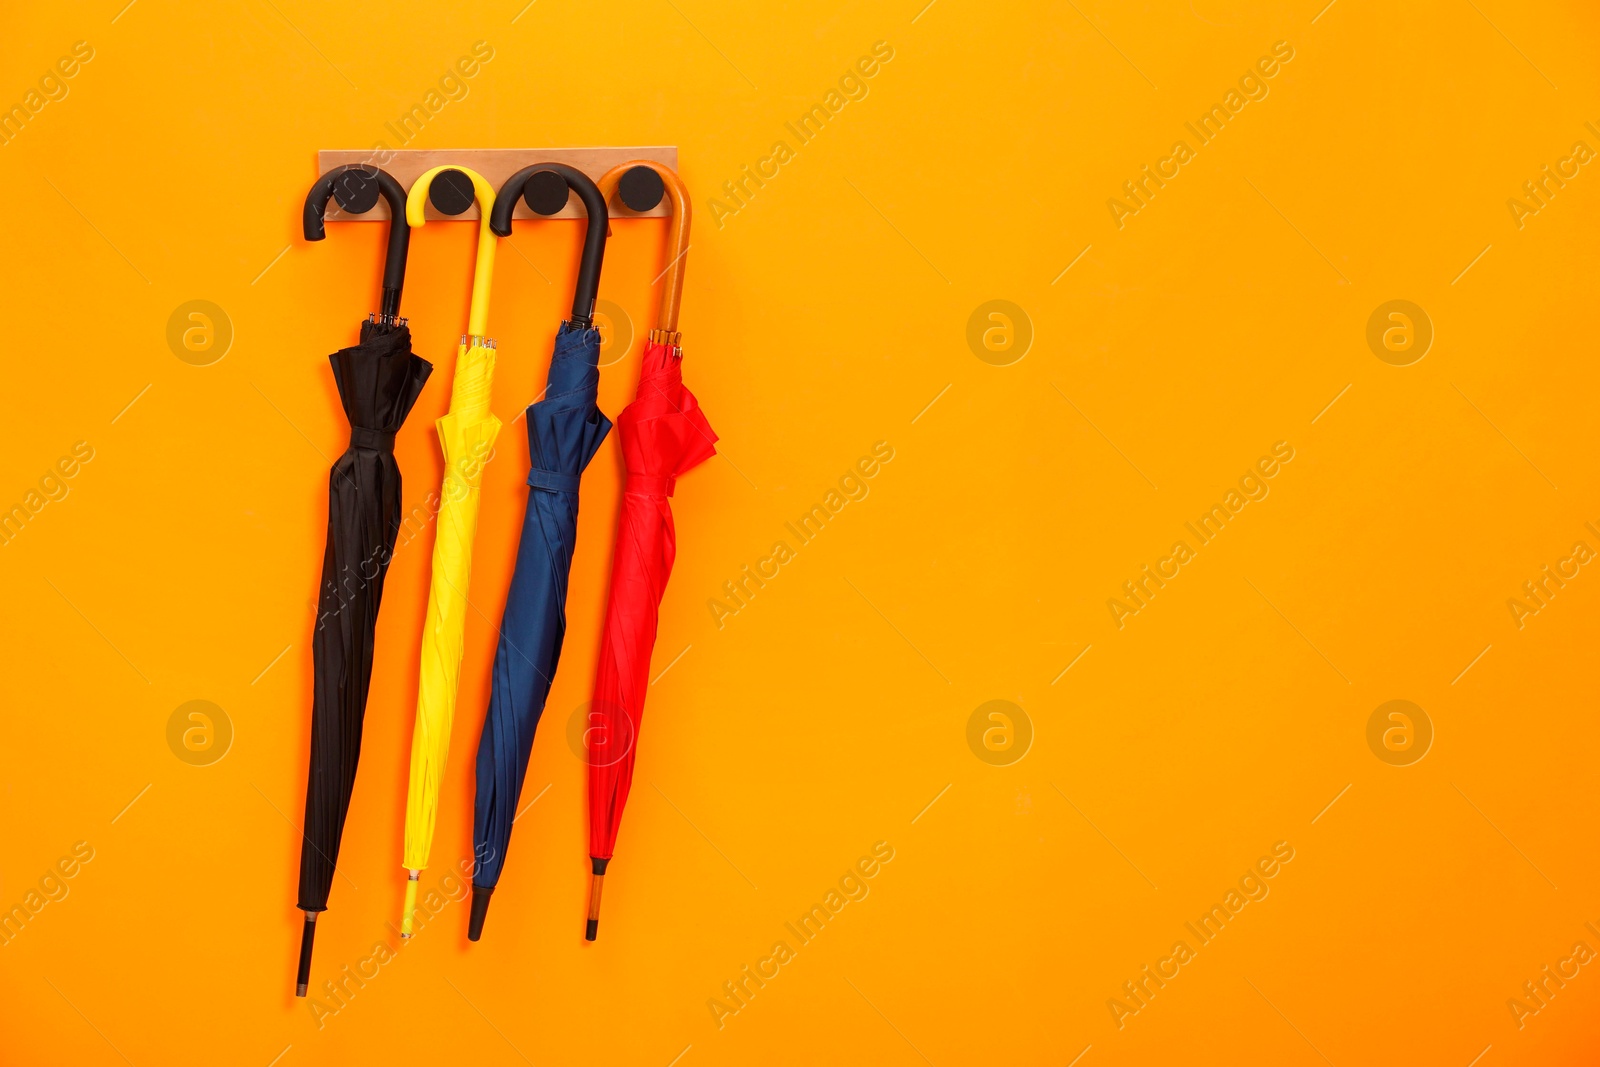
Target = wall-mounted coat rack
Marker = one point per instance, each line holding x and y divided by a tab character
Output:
496	165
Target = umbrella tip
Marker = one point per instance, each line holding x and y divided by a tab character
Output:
480	908
590	928
308	934
412	878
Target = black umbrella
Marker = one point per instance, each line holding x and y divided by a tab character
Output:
379	380
564	430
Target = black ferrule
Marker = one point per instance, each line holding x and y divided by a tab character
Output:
307	936
480	908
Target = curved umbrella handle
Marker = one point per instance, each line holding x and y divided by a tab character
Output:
642	195
549	197
449	199
358	186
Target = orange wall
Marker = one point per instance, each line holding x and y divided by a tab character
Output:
1223	724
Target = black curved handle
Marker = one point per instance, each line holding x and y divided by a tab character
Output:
354	184
594	238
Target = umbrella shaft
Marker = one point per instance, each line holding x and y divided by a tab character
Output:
411	903
596	884
307	936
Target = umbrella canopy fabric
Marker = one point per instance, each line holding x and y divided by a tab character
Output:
663	435
565	428
467	434
379	380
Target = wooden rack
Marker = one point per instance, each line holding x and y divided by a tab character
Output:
496	165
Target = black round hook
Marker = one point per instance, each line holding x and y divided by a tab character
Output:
356	191
544	186
357	187
545	193
641	188
450	192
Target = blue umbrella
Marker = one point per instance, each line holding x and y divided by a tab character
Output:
565	429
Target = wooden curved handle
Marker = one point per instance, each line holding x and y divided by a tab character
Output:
678	247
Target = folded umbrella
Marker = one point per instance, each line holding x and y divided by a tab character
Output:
379	380
663	435
466	435
564	430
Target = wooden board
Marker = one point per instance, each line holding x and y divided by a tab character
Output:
496	165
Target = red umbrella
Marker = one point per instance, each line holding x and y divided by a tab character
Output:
663	435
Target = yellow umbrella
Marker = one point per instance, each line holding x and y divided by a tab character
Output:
466	434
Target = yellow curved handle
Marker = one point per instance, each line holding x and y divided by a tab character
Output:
483	270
